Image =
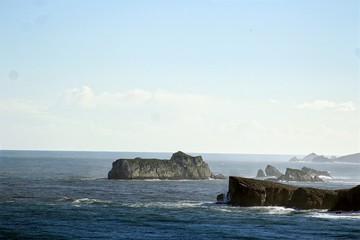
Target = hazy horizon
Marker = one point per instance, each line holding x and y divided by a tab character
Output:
221	76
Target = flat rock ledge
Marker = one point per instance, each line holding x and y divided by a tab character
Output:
180	166
247	192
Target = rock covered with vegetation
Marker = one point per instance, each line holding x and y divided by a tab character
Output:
180	166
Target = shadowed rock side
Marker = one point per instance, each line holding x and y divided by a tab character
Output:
180	166
248	192
348	200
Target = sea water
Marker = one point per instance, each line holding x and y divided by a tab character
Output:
66	195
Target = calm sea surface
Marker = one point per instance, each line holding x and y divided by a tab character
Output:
66	195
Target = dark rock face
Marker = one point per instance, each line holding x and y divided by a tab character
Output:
260	173
271	171
299	175
248	192
348	200
180	166
251	192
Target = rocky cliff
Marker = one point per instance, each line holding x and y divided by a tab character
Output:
180	166
248	192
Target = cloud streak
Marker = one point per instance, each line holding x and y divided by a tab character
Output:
85	97
325	104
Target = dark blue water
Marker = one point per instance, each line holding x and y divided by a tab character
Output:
65	195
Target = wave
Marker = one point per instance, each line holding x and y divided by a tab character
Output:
171	205
89	201
273	210
80	201
332	215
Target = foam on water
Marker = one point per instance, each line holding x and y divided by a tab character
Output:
169	205
89	201
273	210
332	215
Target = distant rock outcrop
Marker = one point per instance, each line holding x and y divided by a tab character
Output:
314	172
180	166
299	175
248	192
304	174
260	173
352	158
271	171
313	157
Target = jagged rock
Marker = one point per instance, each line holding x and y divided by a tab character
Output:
180	166
348	200
271	171
314	172
252	192
260	173
299	175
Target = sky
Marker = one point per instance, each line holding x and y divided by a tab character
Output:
217	76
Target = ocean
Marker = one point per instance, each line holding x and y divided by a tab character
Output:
66	195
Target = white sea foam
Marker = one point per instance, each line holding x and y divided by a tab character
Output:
169	205
333	215
88	201
324	177
274	210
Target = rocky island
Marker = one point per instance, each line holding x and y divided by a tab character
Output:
247	192
180	166
313	157
302	175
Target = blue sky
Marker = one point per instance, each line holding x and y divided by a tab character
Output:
201	76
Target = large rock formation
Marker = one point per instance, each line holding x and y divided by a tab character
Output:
248	192
180	166
300	175
314	172
271	171
305	174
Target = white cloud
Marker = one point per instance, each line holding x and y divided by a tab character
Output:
274	101
85	97
21	106
325	104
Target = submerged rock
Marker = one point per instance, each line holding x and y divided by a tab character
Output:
248	192
180	166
